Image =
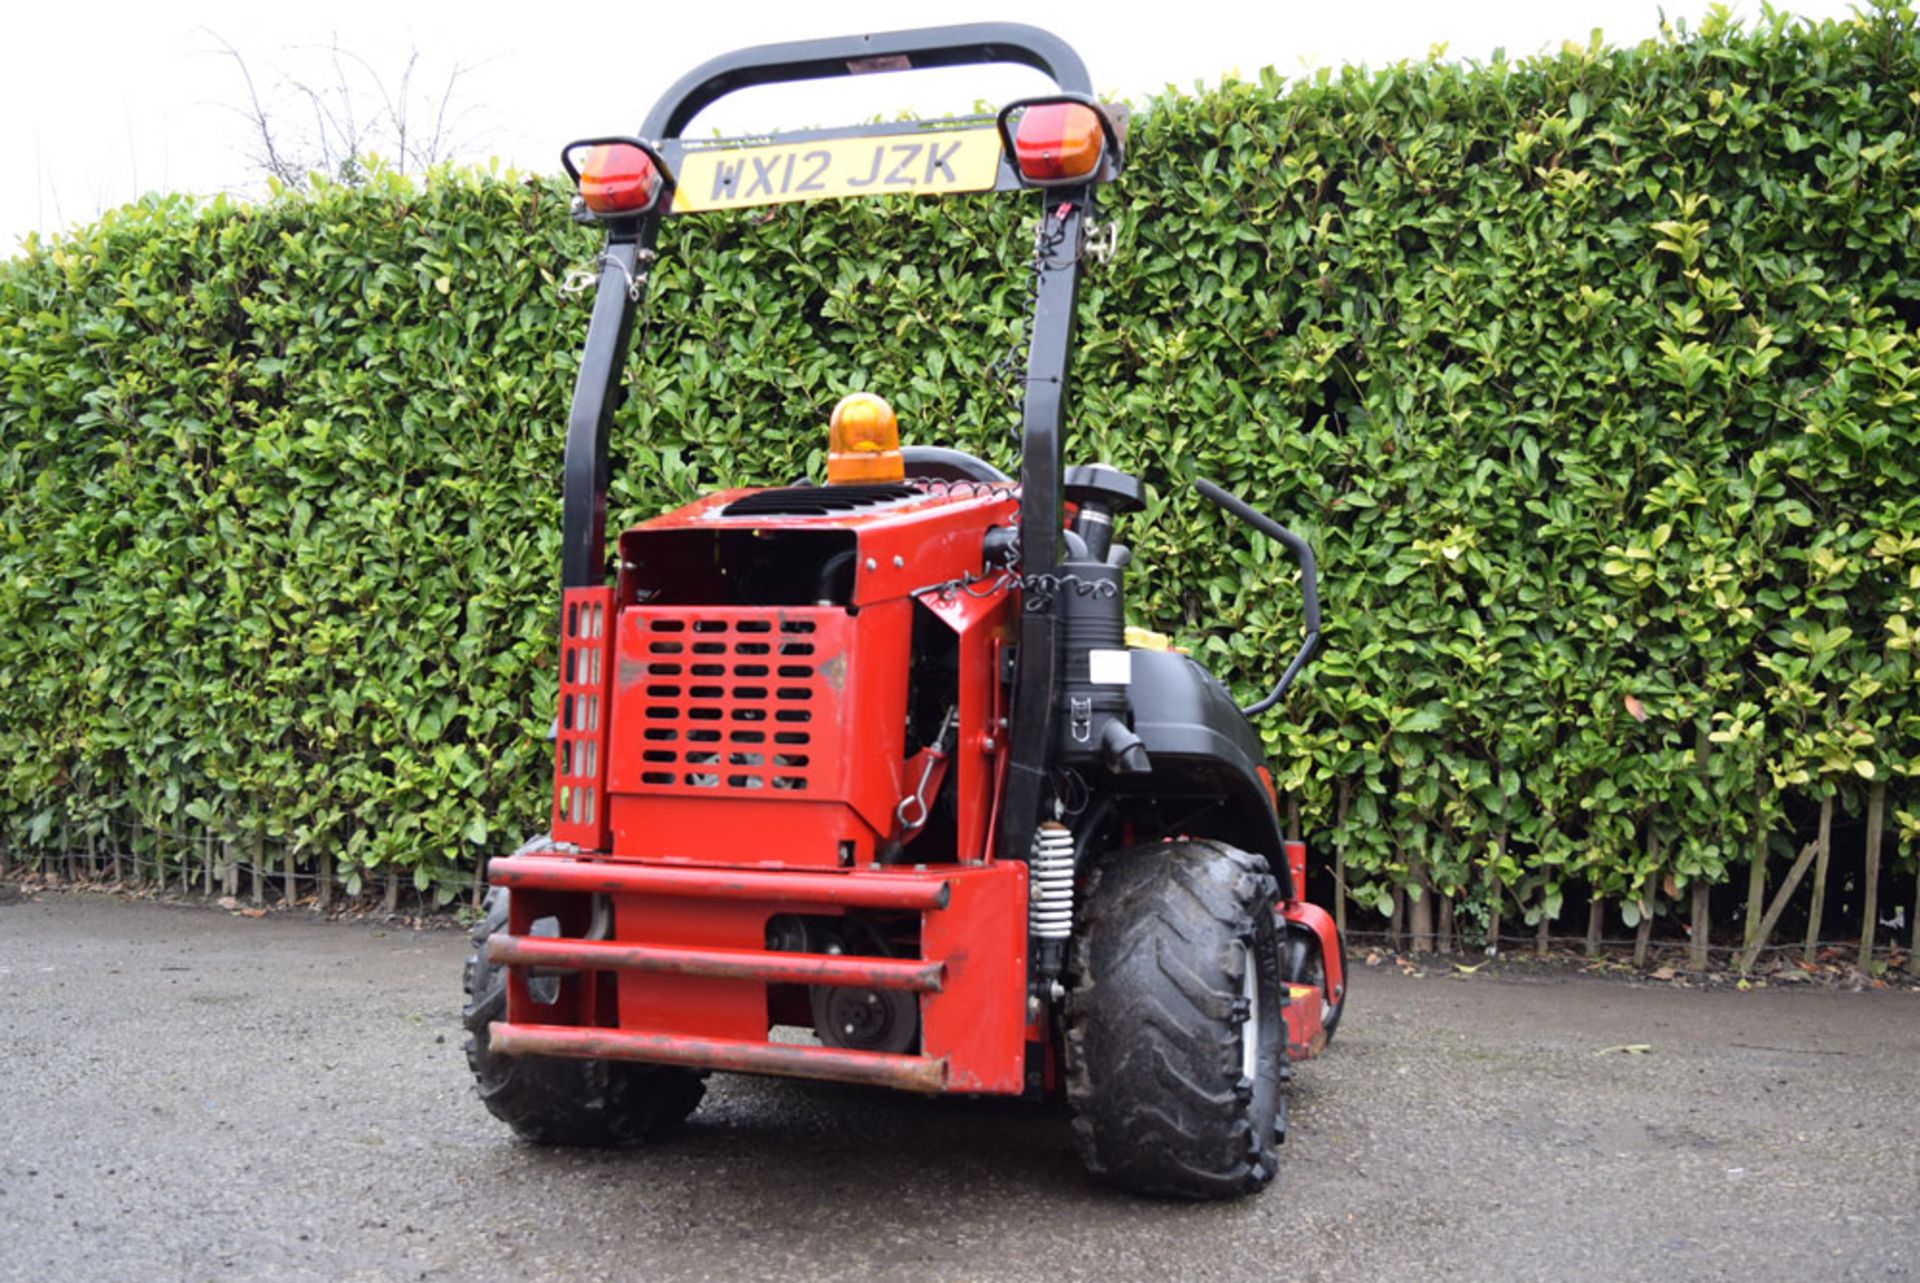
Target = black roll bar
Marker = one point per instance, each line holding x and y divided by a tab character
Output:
1309	582
630	249
957	46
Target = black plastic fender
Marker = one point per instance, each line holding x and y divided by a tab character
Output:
1200	743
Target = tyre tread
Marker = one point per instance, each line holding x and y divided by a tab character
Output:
1152	1034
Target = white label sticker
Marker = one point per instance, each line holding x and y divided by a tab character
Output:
1110	667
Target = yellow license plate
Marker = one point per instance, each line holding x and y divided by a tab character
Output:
929	164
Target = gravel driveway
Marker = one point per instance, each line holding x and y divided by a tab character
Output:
193	1095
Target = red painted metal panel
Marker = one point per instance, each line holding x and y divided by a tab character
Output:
778	834
912	975
575	998
701	1006
983	623
875	705
867	889
912	1073
1305	1036
1320	922
580	739
977	1024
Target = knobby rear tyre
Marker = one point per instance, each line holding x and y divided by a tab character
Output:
1169	1095
552	1100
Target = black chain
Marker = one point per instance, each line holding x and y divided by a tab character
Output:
1039	589
1010	368
1036	590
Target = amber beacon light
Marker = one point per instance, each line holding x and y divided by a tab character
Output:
863	441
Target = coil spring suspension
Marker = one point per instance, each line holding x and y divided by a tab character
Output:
1050	883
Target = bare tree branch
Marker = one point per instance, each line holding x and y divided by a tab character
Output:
356	113
256	115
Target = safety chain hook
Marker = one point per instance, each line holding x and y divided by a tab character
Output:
916	804
582	279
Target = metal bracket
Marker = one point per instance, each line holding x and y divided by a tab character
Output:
582	279
1103	240
1080	715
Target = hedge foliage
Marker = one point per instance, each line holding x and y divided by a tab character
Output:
1592	377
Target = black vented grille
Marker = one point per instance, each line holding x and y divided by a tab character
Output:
736	699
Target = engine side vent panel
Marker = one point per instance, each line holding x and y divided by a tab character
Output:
734	701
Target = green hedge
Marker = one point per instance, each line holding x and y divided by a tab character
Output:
1592	377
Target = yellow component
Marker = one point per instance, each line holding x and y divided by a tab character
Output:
863	441
1139	638
1146	639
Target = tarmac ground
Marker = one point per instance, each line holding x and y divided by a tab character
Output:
188	1094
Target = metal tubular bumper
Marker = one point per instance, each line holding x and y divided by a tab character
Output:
680	972
866	890
912	975
913	1073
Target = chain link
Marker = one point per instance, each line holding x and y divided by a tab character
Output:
1010	368
967	488
1036	590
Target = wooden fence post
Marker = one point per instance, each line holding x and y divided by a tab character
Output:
1702	940
1757	868
1648	903
1496	894
1817	912
1343	801
1758	941
1420	908
1876	830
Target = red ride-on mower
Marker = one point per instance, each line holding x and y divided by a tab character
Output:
874	760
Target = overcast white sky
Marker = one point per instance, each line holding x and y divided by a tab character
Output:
103	101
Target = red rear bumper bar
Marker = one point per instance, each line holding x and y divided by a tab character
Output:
867	890
914	975
912	1073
